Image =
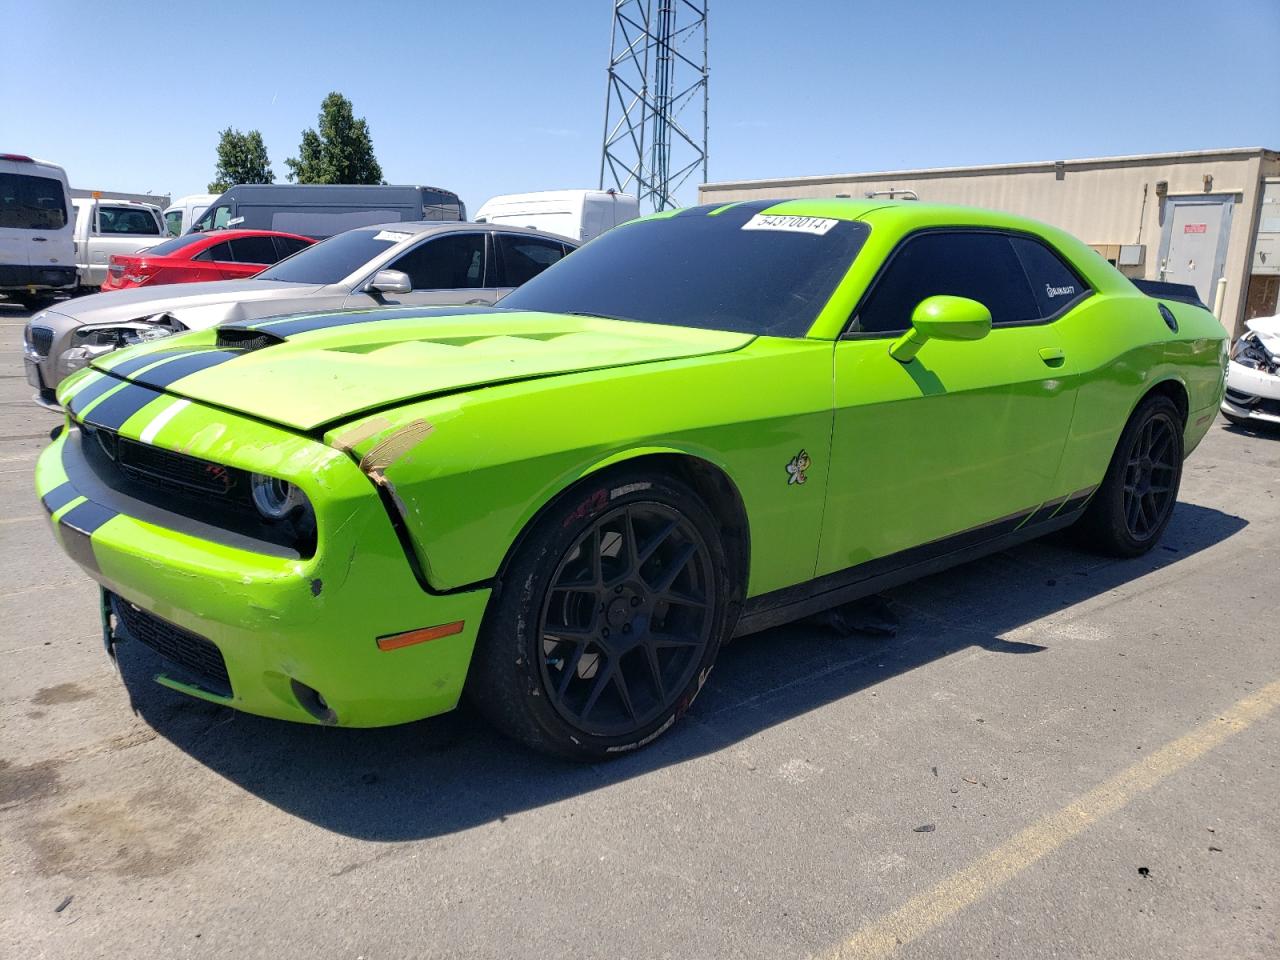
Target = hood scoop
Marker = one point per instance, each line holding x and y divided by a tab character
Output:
239	338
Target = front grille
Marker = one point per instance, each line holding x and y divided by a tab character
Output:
157	465
207	492
40	339
188	650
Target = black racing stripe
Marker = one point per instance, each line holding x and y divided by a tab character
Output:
120	406
701	210
133	364
1047	510
180	367
92	393
740	213
87	517
326	321
59	497
1076	501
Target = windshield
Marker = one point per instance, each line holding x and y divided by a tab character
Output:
331	260
739	270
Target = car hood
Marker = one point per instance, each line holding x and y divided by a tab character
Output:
309	371
1268	332
189	302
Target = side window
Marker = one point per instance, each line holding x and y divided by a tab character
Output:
523	258
215	218
127	220
173	222
1055	285
219	251
980	266
452	262
253	250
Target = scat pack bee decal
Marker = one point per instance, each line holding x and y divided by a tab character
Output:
796	468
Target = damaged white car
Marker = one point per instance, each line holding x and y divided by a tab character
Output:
1253	375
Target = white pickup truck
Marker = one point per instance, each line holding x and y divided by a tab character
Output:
105	227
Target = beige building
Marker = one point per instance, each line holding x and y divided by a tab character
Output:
1184	217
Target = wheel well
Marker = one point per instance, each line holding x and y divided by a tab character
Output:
712	484
1176	392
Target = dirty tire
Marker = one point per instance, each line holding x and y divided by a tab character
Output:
607	619
1132	507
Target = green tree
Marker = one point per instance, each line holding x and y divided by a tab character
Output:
341	152
242	158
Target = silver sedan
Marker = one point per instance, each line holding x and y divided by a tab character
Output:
395	264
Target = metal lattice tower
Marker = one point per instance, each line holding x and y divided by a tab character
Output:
657	87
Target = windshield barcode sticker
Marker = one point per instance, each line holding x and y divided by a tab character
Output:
814	225
394	236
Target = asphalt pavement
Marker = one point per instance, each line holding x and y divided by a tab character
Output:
1055	755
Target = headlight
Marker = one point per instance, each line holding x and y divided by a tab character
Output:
121	336
276	498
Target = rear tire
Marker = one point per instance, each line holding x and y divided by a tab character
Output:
1132	507
607	620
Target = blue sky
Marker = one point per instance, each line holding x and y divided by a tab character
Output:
494	96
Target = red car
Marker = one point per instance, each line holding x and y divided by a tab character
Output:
220	255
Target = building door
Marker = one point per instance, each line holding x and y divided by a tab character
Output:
1193	246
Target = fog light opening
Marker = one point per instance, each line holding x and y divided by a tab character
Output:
313	702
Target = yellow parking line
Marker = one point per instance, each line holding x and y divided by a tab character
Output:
921	914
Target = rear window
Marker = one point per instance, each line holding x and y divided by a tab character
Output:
331	260
733	271
170	247
127	220
32	203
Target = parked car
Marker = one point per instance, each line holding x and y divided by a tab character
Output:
695	427
105	228
395	264
1253	375
37	250
183	212
224	255
581	215
323	210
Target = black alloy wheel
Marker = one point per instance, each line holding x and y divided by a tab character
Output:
607	618
1134	503
1150	484
627	619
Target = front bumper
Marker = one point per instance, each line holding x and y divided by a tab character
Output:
284	627
1252	394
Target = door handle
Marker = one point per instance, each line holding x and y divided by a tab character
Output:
39	239
1053	356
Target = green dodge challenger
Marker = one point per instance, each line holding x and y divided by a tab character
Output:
702	424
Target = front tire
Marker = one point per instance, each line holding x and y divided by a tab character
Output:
607	620
1133	505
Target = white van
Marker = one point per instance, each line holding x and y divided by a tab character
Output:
183	212
577	214
37	256
111	227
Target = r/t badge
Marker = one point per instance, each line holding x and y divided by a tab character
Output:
797	467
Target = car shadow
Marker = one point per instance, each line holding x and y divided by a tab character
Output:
452	772
1254	428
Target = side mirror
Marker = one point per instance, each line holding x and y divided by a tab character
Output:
389	281
942	318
